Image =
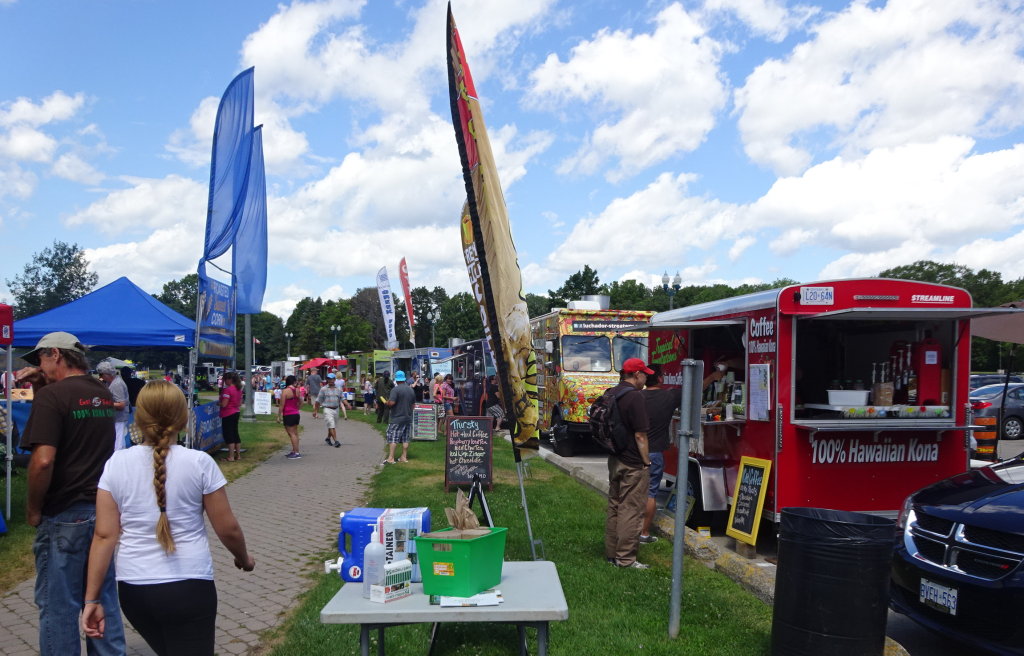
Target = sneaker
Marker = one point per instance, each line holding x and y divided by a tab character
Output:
292	456
611	561
648	539
337	445
328	440
635	565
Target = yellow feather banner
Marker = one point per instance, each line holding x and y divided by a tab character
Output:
491	254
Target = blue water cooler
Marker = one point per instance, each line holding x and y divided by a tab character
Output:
358	524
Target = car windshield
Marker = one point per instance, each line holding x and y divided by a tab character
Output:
586	353
625	348
989	391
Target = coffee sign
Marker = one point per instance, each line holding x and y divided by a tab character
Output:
468	451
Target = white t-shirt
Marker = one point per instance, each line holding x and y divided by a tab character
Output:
128	476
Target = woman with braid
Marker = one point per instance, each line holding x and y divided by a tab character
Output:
154	496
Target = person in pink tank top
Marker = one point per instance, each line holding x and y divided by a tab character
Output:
288	413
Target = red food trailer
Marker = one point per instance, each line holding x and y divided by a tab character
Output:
855	390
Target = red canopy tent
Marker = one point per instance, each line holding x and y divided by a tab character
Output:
316	363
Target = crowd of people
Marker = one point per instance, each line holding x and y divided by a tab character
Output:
120	529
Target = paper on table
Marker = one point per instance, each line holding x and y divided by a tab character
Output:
451	602
482	599
759	391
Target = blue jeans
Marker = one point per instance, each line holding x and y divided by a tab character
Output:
657	471
62	558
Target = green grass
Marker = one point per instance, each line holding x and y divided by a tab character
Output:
16	560
611	610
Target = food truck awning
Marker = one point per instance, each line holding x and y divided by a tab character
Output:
689	325
909	314
1001	327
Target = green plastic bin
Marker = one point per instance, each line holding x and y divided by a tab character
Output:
461	568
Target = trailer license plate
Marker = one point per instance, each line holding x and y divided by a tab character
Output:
938	596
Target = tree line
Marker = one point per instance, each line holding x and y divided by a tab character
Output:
60	274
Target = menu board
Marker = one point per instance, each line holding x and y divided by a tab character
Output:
748	499
468	451
424	422
759	392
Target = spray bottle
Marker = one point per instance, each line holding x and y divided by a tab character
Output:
373	563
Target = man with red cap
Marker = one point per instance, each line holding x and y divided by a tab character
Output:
629	471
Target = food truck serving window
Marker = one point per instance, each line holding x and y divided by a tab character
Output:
625	348
586	353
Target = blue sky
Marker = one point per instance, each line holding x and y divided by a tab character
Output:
733	140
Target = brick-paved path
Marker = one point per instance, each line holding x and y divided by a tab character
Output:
288	510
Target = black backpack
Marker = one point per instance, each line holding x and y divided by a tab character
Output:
606	423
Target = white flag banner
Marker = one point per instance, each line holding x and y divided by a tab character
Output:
387	306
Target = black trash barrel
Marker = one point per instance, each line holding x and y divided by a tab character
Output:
832	583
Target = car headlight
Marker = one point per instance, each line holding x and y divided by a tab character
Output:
905	511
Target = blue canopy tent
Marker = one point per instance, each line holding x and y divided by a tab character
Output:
118	316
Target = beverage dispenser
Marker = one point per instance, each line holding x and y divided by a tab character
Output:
927	364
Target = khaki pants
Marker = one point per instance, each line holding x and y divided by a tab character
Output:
627	497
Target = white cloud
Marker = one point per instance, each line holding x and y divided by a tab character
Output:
739	246
166	254
72	167
333	293
913	70
56	107
158	204
17	182
860	265
673	222
663	87
771	18
27	144
939	192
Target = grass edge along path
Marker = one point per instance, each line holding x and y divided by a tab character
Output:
610	610
261	439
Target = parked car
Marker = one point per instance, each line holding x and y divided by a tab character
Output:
981	380
986	401
957	563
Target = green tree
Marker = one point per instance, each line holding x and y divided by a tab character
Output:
537	304
55	276
576	286
629	295
180	295
424	301
269	330
460	317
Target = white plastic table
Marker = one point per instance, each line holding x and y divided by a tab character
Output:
531	590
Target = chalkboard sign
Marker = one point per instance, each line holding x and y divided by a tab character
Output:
468	451
424	422
748	499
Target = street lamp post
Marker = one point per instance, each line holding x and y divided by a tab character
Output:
671	291
289	336
335	330
433	317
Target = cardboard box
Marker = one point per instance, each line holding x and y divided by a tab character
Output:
397	583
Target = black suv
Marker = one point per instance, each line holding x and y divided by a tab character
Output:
957	566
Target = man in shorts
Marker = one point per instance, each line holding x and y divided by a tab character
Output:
329	398
400	401
661	404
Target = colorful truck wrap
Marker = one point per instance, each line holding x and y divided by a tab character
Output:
579	355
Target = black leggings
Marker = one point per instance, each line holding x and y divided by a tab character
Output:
175	619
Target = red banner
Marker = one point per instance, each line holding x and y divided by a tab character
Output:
403	275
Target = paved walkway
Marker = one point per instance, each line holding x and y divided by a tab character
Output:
288	510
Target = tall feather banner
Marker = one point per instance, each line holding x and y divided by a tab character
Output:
491	254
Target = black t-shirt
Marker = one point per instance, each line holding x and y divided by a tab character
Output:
75	415
633	410
661	403
492	395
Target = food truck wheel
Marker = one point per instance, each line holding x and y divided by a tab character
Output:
560	440
1013	428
